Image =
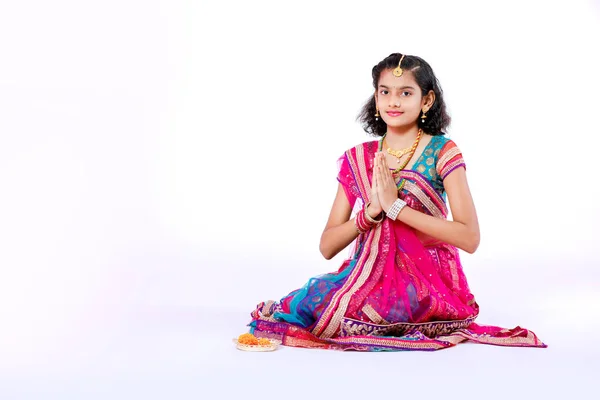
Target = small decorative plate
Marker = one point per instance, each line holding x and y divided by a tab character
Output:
255	347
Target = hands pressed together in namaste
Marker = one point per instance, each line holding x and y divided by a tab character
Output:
383	189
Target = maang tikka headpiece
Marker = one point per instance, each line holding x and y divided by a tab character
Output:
398	71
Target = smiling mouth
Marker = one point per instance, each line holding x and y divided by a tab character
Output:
394	113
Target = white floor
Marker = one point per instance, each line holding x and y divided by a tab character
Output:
187	353
72	344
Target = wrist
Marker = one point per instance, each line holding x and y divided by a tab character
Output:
372	211
395	208
386	207
372	219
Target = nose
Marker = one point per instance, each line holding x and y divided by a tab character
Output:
394	100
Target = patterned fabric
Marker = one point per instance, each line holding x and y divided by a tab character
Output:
440	157
398	290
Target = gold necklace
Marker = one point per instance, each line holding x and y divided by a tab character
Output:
412	152
397	153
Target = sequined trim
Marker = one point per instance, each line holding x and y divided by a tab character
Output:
328	324
332	306
424	199
354	168
365	272
264	311
362	170
447	156
295	342
426	186
352	327
414	342
291	335
451	167
453	269
373	315
528	341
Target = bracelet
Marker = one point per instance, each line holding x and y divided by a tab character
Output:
395	209
370	219
361	224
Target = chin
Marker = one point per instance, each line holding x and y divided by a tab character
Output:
397	124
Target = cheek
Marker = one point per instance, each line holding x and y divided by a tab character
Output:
414	102
414	105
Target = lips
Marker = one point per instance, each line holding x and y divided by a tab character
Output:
394	113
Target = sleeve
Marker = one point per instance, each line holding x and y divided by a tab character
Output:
449	159
346	178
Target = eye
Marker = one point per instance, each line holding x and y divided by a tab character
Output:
408	93
383	91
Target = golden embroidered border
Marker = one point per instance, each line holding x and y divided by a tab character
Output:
425	186
454	270
418	324
453	338
373	315
449	167
424	199
336	319
338	294
358	168
530	340
431	344
432	329
266	307
354	168
362	170
295	342
447	156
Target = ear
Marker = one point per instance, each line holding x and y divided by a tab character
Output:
376	100
429	100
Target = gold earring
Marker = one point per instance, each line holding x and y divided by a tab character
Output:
423	117
377	114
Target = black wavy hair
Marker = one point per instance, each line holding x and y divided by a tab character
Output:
437	118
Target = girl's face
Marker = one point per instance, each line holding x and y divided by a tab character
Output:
399	99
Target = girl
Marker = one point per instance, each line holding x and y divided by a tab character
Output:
404	287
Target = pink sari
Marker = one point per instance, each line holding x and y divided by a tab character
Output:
399	290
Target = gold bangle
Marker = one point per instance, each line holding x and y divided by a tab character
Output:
369	218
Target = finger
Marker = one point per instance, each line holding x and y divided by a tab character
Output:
388	177
380	177
383	182
391	179
384	164
379	164
374	177
375	163
376	170
386	167
384	172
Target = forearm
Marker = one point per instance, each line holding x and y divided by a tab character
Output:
451	232
335	239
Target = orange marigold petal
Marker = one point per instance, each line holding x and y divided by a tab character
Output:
248	338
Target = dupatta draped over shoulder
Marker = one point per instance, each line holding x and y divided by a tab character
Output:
399	290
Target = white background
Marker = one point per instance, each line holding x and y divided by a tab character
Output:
165	166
